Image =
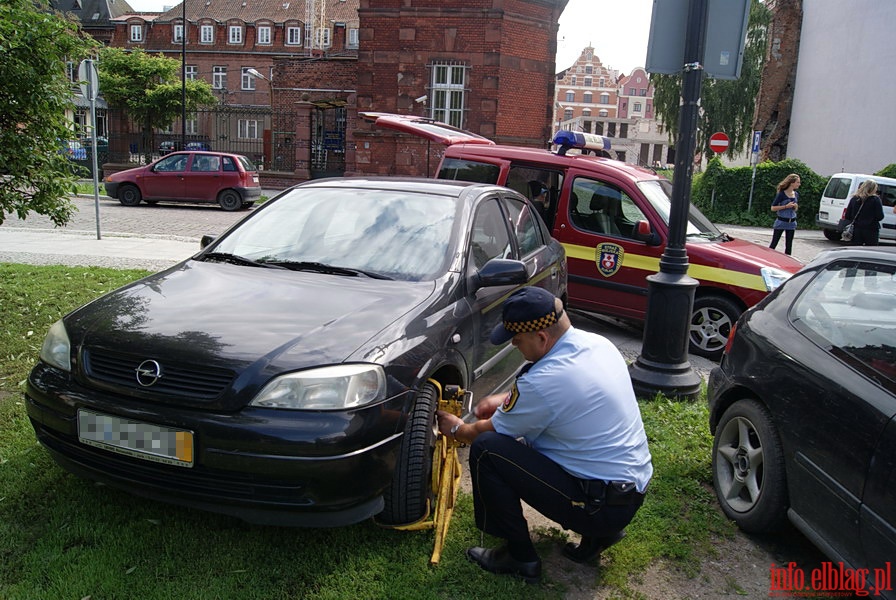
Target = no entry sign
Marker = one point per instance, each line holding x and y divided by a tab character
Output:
718	142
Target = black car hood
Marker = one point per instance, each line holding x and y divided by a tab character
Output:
230	316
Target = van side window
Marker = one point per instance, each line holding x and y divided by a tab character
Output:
887	194
469	170
541	186
602	208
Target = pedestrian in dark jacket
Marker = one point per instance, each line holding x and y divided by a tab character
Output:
866	211
784	206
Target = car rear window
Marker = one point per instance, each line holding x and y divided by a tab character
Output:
248	165
838	187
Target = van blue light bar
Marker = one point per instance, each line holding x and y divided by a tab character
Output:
582	141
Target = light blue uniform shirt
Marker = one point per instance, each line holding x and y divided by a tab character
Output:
576	406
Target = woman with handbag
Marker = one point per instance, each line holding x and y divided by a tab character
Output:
784	206
865	211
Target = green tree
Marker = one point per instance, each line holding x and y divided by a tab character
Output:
35	91
149	88
727	104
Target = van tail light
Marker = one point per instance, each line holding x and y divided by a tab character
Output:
730	338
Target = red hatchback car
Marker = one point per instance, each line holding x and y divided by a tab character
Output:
231	180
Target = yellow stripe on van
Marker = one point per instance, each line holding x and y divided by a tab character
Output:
652	265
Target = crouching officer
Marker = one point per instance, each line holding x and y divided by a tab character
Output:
567	439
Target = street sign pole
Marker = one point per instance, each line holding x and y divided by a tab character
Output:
89	89
754	158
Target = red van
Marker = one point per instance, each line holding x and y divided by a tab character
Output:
613	220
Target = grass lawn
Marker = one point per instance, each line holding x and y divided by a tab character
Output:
66	538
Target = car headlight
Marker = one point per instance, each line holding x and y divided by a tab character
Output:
773	277
56	350
327	388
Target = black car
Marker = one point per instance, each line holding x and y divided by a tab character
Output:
802	408
288	372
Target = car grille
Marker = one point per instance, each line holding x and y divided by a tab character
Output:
196	382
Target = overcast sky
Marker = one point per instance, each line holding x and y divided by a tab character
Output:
617	29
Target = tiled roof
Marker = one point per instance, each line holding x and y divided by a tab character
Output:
93	11
250	11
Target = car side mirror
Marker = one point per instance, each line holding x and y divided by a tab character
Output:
206	240
645	233
502	271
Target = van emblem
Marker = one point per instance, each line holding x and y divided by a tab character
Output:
148	373
609	258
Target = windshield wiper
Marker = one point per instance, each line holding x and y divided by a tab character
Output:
296	265
236	259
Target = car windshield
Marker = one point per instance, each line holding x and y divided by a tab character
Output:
659	194
387	233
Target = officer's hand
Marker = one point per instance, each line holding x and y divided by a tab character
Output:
446	422
488	405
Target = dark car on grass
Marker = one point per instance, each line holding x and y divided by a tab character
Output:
288	372
803	410
230	180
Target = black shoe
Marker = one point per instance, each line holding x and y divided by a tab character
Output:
498	560
591	547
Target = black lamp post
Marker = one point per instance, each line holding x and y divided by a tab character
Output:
663	365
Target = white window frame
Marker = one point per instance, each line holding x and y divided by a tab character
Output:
207	34
178	33
264	34
570	96
636	107
192	124
293	35
604	98
219	78
353	38
247	81
136	33
322	37
191	71
234	34
448	93
247	129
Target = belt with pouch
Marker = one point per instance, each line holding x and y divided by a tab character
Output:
783	220
610	493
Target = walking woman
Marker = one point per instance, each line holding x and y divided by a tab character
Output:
866	211
784	206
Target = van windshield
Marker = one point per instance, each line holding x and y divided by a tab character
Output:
659	193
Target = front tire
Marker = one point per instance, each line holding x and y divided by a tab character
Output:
832	234
230	200
409	493
129	195
711	324
748	468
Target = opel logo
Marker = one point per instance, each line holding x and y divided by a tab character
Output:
148	373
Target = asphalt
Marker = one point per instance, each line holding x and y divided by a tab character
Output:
157	237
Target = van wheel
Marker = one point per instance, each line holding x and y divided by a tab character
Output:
129	195
230	200
832	234
711	324
408	494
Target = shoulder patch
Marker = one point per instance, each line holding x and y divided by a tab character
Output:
510	402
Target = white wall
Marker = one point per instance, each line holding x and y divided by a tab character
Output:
844	104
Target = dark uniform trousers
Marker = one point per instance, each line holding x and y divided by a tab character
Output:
505	471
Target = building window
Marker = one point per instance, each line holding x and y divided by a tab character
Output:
322	37
631	92
643	91
294	36
248	81
603	113
178	34
573	81
601	82
207	34
589	69
605	98
636	107
353	38
247	129
192	124
586	112
448	93
136	33
71	71
587	98
219	78
567	114
570	96
623	130
235	35
191	71
264	34
589	82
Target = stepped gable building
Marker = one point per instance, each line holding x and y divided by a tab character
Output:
594	98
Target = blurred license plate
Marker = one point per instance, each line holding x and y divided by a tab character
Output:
823	215
255	178
136	439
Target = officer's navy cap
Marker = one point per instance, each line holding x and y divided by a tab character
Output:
527	309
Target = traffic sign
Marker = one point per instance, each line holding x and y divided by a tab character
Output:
718	142
89	81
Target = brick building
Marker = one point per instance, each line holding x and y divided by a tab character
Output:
596	99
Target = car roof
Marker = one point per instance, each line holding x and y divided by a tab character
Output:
885	253
413	184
